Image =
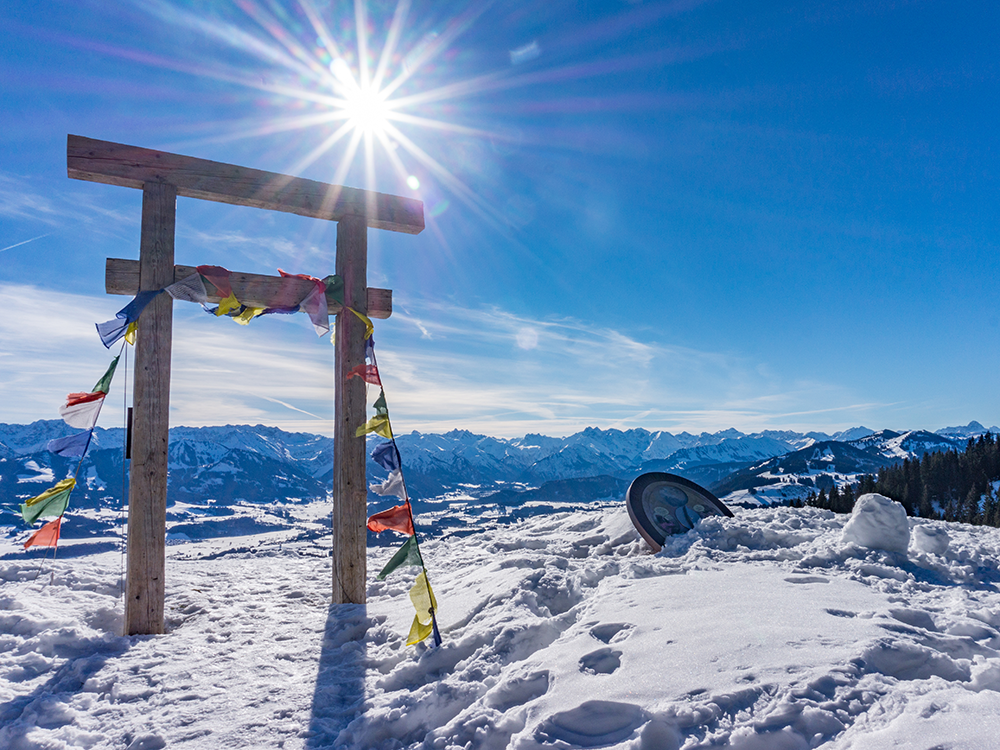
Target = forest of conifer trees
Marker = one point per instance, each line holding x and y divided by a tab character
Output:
948	486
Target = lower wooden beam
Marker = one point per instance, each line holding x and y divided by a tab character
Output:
254	290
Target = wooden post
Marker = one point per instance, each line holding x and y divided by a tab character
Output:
350	492
150	427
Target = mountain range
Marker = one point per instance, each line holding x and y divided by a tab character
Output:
236	480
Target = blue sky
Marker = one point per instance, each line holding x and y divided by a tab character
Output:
670	215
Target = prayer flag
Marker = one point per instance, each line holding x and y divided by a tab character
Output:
424	602
368	373
218	277
104	384
130	333
393	485
248	314
81	409
52	502
47	536
112	330
370	349
408	554
227	304
386	455
397	518
190	289
71	446
369	326
418	631
335	288
378	424
381	407
314	304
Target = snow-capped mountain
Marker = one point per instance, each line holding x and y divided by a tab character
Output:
264	470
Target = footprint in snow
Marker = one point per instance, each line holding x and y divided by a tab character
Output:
602	661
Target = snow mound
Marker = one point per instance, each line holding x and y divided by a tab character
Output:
878	523
931	539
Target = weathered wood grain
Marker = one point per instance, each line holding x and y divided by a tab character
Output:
131	166
350	491
147	513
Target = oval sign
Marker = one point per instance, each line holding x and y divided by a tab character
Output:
661	505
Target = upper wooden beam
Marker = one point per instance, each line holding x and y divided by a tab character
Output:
131	166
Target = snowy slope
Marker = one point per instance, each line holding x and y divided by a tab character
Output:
767	630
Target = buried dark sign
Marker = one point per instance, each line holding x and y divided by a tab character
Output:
661	505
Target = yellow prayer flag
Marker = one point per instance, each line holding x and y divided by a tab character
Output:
130	332
66	484
379	424
423	599
248	314
369	326
228	304
418	631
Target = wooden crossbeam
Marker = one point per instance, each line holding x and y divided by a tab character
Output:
253	290
131	166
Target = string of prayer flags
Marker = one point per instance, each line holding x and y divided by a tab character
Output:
47	536
408	554
52	502
81	409
398	518
424	602
112	330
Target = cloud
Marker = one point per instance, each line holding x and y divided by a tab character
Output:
471	371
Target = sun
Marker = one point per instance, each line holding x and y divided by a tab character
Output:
365	108
367	111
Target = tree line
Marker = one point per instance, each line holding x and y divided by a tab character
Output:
949	486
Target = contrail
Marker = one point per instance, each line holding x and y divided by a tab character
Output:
25	242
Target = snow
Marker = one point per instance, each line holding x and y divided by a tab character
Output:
775	629
878	522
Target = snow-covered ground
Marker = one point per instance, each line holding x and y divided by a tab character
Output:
770	630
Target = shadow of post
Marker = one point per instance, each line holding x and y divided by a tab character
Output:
339	696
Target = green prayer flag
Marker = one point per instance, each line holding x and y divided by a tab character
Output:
52	502
335	288
408	554
104	384
381	407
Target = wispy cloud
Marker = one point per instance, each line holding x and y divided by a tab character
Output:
470	371
23	242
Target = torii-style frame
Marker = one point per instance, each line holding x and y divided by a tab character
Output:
163	177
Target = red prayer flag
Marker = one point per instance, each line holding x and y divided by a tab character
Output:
73	399
47	536
368	373
219	278
397	518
